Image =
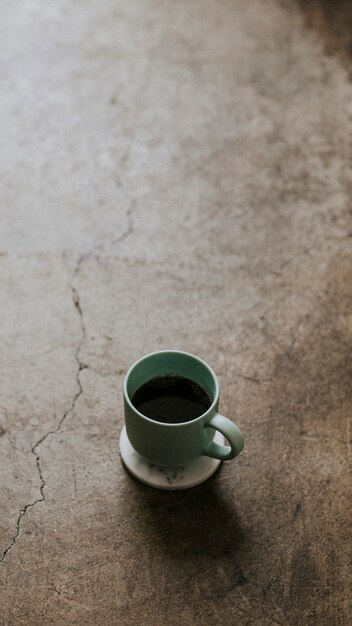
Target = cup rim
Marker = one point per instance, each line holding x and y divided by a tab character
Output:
173	425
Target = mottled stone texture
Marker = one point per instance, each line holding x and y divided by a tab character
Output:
175	174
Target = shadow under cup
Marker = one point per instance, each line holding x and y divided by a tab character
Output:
164	443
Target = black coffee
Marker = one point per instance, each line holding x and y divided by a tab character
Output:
171	399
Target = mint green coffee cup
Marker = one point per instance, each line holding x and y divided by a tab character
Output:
172	444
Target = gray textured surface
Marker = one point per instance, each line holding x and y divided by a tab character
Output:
175	174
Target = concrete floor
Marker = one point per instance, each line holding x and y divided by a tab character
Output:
175	174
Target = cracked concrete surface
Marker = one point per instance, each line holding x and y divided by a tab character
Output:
176	175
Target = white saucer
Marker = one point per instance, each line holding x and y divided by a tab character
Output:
190	475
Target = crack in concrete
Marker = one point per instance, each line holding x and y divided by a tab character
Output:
80	366
100	246
23	511
30	505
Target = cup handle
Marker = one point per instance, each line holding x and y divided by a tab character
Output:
232	434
